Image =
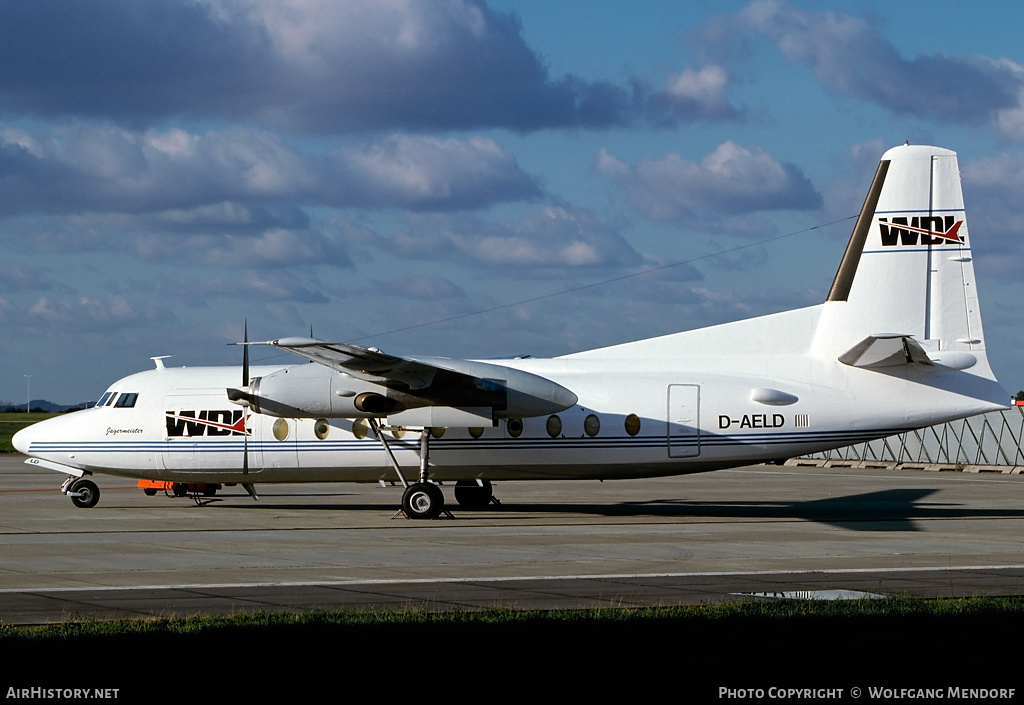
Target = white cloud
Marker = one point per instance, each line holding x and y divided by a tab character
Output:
554	238
107	169
270	249
315	66
995	213
700	92
427	172
21	277
108	312
420	287
850	56
731	180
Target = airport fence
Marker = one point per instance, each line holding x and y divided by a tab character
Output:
985	443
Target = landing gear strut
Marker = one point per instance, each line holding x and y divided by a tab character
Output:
423	499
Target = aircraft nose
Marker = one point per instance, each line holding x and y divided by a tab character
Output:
23	439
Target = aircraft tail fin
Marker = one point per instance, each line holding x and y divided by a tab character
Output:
905	291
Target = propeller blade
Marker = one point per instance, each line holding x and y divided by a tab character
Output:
248	395
242	397
245	355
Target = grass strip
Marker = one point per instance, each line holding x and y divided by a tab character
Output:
12	422
783	641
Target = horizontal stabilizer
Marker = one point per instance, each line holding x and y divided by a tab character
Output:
885	350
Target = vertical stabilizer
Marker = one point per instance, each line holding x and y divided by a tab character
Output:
907	271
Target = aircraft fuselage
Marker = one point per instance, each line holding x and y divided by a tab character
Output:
660	418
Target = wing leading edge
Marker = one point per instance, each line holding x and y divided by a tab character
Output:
435	381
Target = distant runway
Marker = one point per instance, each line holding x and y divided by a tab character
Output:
686	540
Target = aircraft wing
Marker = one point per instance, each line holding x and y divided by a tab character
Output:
368	364
885	350
439	381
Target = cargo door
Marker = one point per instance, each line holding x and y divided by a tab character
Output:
683	420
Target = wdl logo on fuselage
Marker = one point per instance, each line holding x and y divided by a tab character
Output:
924	230
220	422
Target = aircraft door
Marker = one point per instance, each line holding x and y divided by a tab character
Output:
200	437
683	420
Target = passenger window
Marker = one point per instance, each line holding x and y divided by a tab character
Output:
554	426
127	400
281	429
321	429
515	427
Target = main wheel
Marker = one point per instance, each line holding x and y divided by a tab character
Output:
423	500
473	496
85	494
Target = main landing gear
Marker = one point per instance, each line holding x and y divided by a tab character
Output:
474	494
424	499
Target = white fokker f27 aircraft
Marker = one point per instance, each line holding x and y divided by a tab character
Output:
898	345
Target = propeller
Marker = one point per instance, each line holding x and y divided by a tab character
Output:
245	353
243	397
245	385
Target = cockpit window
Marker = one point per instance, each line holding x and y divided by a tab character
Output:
110	401
105	398
127	400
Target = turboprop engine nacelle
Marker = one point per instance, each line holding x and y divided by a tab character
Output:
463	392
314	391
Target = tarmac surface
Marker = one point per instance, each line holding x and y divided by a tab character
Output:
760	530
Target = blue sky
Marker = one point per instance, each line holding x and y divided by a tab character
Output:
384	170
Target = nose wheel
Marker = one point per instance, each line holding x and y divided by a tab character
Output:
84	494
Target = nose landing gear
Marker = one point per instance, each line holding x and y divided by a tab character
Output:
84	493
